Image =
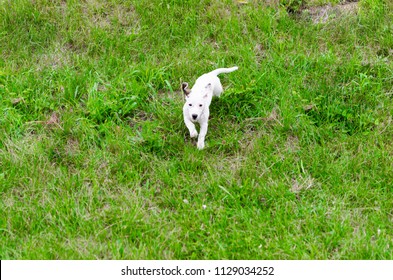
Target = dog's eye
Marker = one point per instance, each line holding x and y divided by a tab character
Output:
200	105
190	105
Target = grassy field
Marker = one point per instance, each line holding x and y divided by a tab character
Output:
96	162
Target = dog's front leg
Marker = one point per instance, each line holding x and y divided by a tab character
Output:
202	134
191	127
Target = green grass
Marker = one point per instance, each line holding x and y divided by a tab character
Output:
96	162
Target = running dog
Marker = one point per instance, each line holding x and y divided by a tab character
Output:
198	99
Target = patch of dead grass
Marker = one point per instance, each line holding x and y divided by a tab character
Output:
322	14
109	17
302	183
55	58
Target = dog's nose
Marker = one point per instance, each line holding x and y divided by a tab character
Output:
194	116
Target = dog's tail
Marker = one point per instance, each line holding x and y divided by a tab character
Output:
224	70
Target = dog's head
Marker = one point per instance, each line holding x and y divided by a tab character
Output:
195	101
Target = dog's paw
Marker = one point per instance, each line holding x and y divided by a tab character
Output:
193	134
200	145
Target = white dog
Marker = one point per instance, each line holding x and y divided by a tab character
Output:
198	99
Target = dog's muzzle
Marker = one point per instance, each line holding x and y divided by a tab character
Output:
194	116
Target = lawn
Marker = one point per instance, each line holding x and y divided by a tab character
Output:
96	162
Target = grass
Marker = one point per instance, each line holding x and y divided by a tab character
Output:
96	163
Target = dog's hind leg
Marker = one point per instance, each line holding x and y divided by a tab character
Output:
218	89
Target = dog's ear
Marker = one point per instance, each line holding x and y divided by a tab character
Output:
185	89
208	89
